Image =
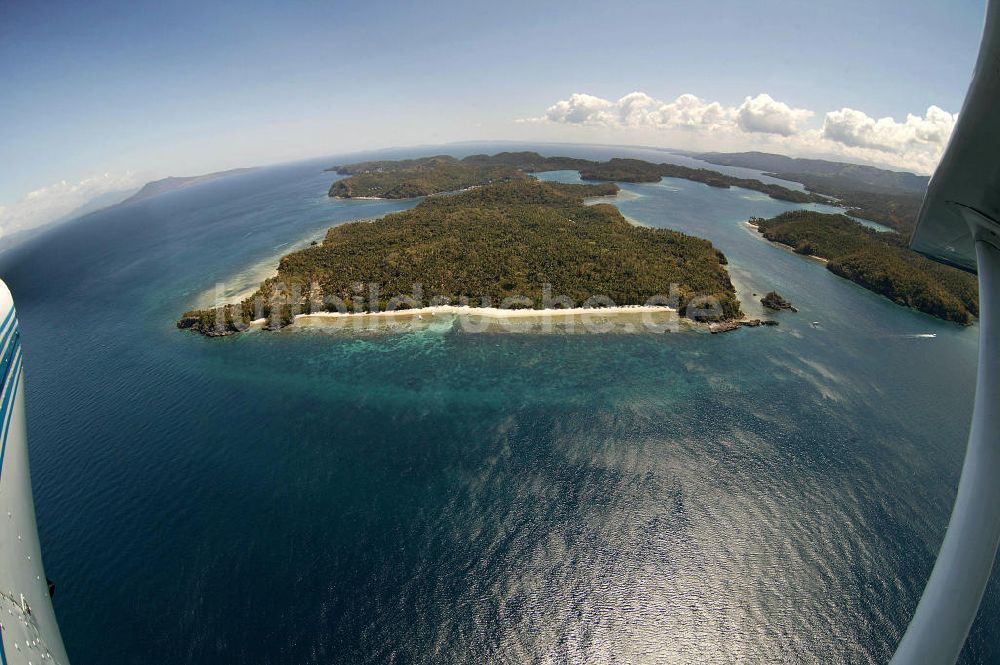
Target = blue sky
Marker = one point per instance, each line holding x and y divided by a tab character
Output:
116	93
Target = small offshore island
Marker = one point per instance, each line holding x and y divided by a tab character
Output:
495	244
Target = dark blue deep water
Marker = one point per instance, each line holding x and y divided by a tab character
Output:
435	496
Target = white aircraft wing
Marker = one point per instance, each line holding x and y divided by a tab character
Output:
28	629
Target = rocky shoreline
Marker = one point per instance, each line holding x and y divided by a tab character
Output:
728	326
774	300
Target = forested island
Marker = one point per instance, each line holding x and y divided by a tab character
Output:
481	247
880	262
443	173
410	178
889	197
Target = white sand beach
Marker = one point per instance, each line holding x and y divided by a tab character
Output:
495	312
755	230
628	318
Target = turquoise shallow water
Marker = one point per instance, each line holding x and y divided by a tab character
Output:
765	496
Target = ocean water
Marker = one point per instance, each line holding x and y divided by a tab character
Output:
435	496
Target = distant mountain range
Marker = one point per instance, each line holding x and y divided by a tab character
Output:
890	197
172	183
840	174
114	199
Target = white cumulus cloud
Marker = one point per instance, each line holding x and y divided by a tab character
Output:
856	128
769	116
762	122
756	114
691	112
581	109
